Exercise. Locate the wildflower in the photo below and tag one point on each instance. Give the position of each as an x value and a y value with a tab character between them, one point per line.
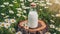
53	15
30	0
2	5
22	4
6	3
19	32
7	25
2	14
52	21
47	33
12	20
2	24
54	33
46	7
24	11
10	11
24	16
6	16
10	4
19	12
52	26
57	15
14	1
24	7
19	9
12	29
18	15
42	4
7	20
49	3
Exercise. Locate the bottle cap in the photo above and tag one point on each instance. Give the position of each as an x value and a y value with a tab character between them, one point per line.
33	5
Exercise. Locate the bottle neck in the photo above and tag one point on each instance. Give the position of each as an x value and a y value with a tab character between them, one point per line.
33	9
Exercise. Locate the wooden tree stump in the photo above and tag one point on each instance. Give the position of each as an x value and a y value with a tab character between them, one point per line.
41	26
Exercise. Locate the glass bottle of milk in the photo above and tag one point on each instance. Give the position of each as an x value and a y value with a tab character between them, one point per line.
33	18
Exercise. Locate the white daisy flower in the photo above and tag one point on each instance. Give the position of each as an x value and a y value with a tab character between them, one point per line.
7	25
2	24
24	11
52	26
12	20
42	4
10	4
7	20
6	16
19	12
52	21
2	5
56	28
54	33
40	9
2	14
24	7
22	4
27	7
47	33
30	0
57	15
18	15
53	15
12	29
19	9
11	11
24	16
19	32
14	1
49	3
6	3
46	7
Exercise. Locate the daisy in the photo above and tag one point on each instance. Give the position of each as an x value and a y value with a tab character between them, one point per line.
2	5
24	11
2	24
19	12
12	29
2	14
7	25
19	32
10	4
18	15
47	33
57	15
12	20
30	0
7	20
52	26
19	9
6	3
11	11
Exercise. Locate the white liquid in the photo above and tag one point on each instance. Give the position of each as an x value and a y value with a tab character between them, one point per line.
33	19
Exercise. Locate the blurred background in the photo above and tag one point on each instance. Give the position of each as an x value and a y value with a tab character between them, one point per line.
14	11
